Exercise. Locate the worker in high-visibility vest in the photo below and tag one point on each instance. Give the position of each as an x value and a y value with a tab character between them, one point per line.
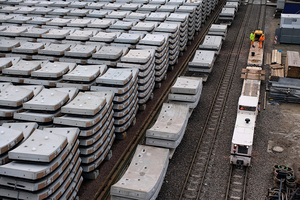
261	40
252	37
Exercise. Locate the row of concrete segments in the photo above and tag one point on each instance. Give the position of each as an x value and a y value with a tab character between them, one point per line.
63	115
143	179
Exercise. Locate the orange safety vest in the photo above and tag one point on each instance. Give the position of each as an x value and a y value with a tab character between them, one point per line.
262	38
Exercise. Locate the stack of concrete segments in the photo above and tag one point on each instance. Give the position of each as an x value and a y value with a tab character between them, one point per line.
46	165
172	31
198	11
169	127
239	1
82	77
50	73
52	51
160	45
8	61
11	137
227	14
191	10
145	27
108	55
202	62
146	77
143	179
96	127
232	5
211	42
127	40
46	105
80	53
167	8
181	19
218	30
20	70
148	8
124	84
186	91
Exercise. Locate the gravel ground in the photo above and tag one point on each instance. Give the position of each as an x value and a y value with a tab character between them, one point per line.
277	125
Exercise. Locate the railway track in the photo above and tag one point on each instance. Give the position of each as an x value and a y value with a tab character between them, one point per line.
237	179
193	185
120	167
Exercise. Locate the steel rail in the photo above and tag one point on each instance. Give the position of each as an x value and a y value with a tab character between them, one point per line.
231	63
124	160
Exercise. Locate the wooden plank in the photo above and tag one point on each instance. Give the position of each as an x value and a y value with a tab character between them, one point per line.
253	76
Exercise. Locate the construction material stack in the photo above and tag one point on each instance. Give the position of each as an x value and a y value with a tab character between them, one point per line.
82	77
142	178
186	91
13	135
46	105
160	44
181	19
46	165
218	30
123	83
169	127
203	61
191	10
96	127
146	76
171	33
212	43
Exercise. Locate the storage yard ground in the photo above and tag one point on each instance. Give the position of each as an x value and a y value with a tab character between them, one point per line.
277	125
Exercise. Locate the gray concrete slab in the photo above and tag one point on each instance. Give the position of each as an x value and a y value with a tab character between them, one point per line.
14	96
101	23
26	128
19	19
92	166
212	43
135	15
109	52
89	135
58	22
50	100
40	146
203	58
137	56
95	5
141	180
42	183
81	35
8	45
42	10
86	141
82	51
128	38
55	190
57	33
115	77
88	159
185	97
121	25
51	70
123	116
82	122
85	73
98	13
84	104
55	49
34	32
104	37
33	171
8	61
72	91
28	48
186	85
170	123
10	138
157	16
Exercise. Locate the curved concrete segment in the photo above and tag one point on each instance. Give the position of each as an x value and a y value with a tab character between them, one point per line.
187	85
9	138
47	100
170	123
14	96
143	179
40	146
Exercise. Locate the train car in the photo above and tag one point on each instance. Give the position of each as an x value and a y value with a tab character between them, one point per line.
248	106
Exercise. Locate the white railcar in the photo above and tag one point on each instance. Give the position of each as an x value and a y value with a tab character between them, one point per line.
248	106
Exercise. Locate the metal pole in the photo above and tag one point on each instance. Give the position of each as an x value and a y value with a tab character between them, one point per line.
279	194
